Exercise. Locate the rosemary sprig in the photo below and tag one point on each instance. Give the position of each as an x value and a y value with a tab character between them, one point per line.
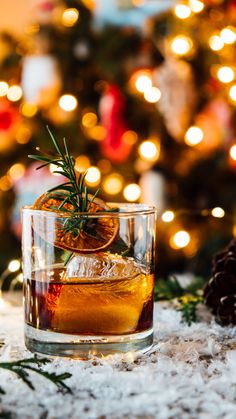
22	366
73	191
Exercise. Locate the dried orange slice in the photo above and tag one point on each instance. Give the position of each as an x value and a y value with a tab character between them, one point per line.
78	233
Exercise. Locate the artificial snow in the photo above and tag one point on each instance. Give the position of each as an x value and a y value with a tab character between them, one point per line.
189	373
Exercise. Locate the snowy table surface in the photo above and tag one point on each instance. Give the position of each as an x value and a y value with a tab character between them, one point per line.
189	373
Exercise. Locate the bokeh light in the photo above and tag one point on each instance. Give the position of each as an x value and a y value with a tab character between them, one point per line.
182	11
89	119
113	183
193	136
93	176
168	216
152	95
14	93
181	45
196	6
218	212
225	74
132	192
180	239
232	152
82	163
3	88
16	171
228	35
232	92
143	83
70	17
68	103
149	150
29	109
216	43
14	265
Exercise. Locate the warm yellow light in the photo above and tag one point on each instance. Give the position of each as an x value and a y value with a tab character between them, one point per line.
168	216
14	93
82	163
143	83
70	17
152	95
149	150
17	171
113	183
20	278
216	43
97	133
132	192
193	136
196	6
93	176
23	135
218	212
130	137
14	265
182	11
68	103
181	45
228	35
232	92
225	74
180	239
234	230
89	119
232	152
5	183
3	88
29	109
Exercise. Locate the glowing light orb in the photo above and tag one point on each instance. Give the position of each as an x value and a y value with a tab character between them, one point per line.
14	93
93	176
68	103
181	45
168	216
132	192
182	11
3	88
143	83
225	74
232	152
218	212
152	95
193	136
113	183
14	265
149	150
70	17
180	239
216	43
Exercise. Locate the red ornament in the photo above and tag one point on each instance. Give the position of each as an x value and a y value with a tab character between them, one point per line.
9	123
112	111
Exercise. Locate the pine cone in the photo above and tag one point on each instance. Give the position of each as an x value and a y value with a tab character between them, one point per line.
220	291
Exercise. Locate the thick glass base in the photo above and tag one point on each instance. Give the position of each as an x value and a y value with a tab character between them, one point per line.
59	344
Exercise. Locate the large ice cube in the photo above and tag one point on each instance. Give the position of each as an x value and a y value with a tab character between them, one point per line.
102	266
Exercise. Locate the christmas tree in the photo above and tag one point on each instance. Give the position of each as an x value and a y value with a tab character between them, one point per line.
147	108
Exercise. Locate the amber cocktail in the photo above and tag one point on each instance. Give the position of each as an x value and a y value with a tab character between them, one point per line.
89	301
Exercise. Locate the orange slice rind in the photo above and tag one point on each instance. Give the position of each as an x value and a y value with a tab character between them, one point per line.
77	232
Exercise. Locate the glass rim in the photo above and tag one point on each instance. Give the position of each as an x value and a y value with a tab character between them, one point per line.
134	209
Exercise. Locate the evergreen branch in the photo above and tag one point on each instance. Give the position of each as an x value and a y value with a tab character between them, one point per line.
21	368
188	308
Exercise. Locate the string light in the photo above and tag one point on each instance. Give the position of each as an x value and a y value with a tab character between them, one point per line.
130	137
232	152
132	192
17	171
93	176
152	95
228	35
149	150
3	88
14	265
218	212
68	103
168	216
23	135
181	45
14	93
89	119
113	183
216	43
225	74
193	136
182	11
70	17
82	163
232	92
143	83
196	6
180	239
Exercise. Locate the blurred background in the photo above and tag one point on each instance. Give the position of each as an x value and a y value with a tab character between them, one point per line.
145	93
